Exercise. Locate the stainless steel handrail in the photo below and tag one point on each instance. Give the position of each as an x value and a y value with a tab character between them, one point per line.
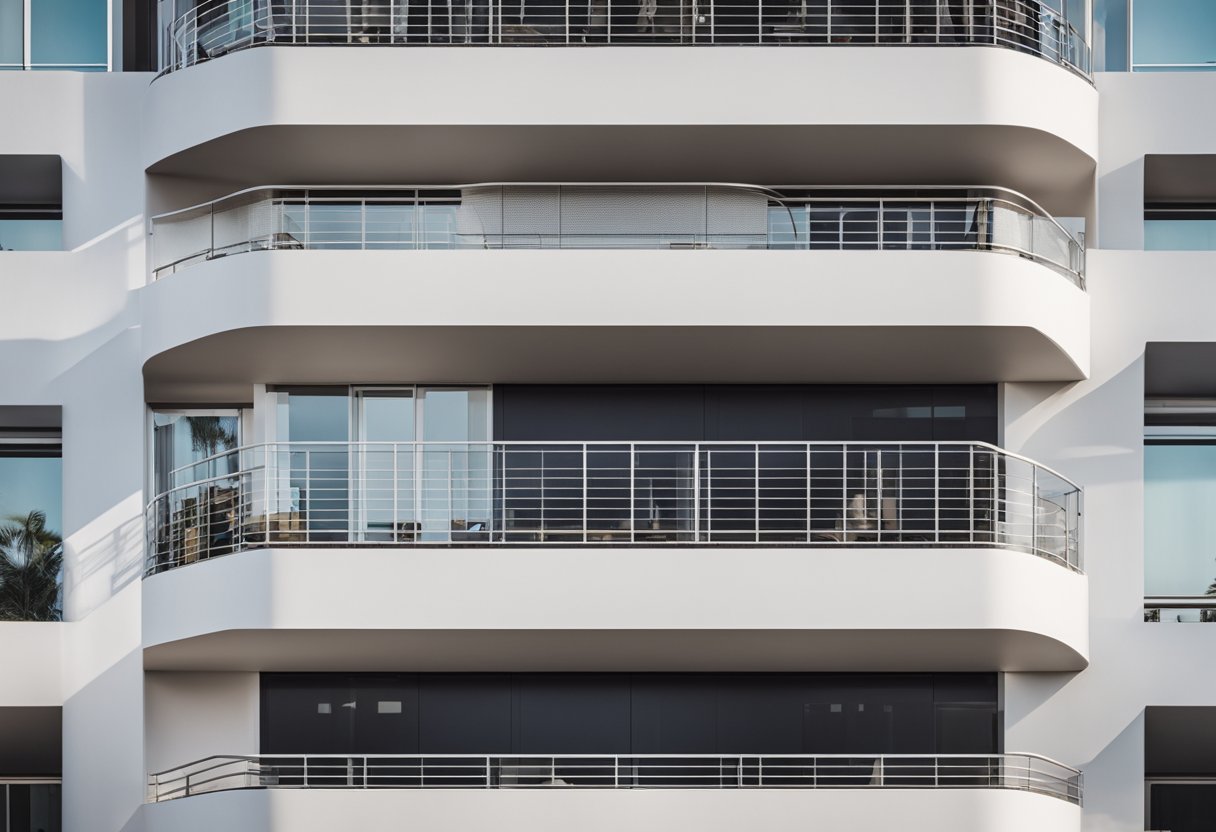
613	493
217	27
1159	608
1015	771
311	217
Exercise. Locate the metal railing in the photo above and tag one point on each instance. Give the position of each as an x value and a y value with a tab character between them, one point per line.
1180	608
606	493
216	27
602	216
1021	772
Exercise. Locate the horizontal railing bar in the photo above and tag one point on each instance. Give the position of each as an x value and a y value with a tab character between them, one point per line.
1024	772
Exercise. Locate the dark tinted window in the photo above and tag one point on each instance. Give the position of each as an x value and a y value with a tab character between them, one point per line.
642	713
689	413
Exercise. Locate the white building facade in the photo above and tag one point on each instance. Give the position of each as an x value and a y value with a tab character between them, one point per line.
654	415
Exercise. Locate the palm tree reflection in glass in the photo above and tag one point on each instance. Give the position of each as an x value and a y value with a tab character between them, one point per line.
31	560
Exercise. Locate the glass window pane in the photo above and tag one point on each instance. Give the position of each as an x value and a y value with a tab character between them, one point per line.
34	808
179	439
12	31
1174	32
30	235
1180	235
1179	526
68	32
456	415
31	483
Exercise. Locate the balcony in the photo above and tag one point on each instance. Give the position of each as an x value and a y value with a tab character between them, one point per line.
938	285
620	217
1001	793
604	494
729	556
213	28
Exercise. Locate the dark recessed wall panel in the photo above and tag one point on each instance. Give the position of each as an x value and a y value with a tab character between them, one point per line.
569	713
675	712
461	713
747	413
386	715
762	712
621	713
599	413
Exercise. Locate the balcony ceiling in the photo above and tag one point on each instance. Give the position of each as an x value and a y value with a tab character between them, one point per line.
224	367
1048	168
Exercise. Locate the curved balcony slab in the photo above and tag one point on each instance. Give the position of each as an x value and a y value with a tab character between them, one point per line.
593	810
609	316
940	114
686	609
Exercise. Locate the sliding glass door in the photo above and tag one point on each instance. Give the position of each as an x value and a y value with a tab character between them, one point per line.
385	460
455	465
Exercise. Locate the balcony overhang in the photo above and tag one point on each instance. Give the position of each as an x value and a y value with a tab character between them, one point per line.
557	608
609	316
890	115
608	810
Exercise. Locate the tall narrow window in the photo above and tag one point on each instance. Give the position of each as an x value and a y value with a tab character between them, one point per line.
32	523
1179	526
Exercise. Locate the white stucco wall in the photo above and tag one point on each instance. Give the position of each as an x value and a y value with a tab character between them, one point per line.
596	810
189	716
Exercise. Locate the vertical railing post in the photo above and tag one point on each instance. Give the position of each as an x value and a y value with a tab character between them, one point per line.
696	493
937	494
632	474
808	492
1034	508
844	492
756	495
878	497
488	777
971	491
586	536
305	512
306	772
